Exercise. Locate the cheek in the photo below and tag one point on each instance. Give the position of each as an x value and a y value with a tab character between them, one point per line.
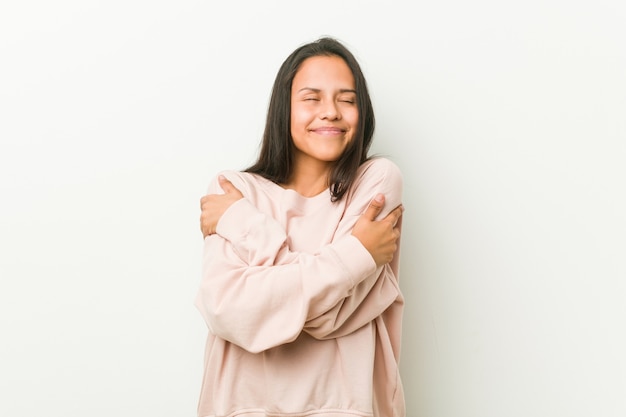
299	119
353	118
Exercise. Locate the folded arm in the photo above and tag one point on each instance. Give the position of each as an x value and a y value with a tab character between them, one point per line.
259	307
332	299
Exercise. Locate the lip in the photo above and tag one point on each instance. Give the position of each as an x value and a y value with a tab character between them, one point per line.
328	130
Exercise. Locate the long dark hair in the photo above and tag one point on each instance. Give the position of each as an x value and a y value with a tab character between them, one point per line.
276	157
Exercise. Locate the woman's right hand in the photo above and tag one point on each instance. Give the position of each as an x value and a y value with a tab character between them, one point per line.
380	237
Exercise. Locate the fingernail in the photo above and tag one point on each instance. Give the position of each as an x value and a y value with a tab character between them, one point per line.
379	198
221	177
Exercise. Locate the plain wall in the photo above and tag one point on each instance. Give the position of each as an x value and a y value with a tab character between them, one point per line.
508	120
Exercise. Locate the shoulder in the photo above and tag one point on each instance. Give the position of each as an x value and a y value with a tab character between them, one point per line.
379	170
374	176
245	182
380	163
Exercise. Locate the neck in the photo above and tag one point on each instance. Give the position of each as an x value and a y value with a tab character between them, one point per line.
309	180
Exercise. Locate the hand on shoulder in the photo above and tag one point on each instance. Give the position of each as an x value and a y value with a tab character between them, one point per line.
379	237
213	206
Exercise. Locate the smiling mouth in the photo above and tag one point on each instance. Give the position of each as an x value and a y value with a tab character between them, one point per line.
329	131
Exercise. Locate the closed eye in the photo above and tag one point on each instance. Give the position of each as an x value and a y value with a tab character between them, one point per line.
347	98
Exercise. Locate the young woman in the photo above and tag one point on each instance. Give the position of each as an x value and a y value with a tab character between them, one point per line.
300	268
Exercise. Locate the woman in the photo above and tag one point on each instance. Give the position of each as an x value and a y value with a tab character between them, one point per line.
299	283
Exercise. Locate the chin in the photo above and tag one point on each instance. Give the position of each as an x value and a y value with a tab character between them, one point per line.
330	158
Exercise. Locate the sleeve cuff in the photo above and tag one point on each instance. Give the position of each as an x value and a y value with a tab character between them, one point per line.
230	226
356	260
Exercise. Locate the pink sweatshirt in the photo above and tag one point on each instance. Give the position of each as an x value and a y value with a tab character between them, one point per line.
301	321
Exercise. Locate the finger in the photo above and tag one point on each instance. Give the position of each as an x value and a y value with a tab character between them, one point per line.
394	215
375	207
226	185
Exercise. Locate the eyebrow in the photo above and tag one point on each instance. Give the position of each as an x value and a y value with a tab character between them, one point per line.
317	90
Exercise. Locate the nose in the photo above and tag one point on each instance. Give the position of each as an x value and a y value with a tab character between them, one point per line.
330	111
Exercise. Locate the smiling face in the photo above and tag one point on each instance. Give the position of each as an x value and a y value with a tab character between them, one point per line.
324	113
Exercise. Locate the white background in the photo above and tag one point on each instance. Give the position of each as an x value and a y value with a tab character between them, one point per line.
508	120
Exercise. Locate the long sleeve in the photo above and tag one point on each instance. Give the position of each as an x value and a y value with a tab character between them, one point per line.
259	307
260	294
380	289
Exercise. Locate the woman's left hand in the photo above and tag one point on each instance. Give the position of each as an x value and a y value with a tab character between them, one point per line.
214	205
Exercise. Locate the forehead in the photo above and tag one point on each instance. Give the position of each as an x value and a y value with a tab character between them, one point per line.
322	72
